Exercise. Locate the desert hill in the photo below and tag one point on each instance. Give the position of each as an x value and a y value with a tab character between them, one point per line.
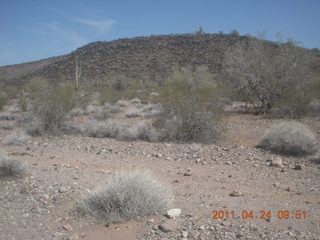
141	58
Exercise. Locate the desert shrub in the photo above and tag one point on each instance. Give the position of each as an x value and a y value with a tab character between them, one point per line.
103	114
10	166
189	101
16	138
296	102
142	130
51	109
261	71
3	101
36	86
76	112
125	196
8	116
290	138
6	126
23	101
134	112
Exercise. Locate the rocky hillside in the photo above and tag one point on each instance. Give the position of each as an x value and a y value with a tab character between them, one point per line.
17	70
144	58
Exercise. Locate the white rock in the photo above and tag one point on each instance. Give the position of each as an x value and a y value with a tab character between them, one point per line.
173	213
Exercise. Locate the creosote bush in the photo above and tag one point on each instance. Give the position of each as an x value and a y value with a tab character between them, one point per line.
290	138
125	196
189	102
10	166
51	109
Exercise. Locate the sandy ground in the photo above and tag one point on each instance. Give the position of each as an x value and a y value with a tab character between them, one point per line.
41	205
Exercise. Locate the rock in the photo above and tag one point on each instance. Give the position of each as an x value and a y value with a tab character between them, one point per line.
277	162
62	189
299	167
74	236
228	163
236	194
169	226
184	234
291	189
66	227
187	173
202	227
173	213
151	221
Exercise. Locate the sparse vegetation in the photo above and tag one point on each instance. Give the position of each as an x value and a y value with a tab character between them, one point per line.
127	195
190	106
261	71
51	109
10	166
290	138
3	101
296	102
16	138
142	130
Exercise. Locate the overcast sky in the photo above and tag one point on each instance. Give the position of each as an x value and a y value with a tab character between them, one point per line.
36	29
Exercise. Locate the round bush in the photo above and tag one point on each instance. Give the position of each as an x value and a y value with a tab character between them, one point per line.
125	196
290	138
10	166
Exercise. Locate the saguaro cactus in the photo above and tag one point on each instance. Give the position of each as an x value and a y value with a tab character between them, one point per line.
77	73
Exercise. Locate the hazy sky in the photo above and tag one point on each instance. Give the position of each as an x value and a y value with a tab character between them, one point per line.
36	29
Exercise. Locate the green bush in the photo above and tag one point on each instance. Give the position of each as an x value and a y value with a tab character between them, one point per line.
190	106
290	138
51	109
295	102
3	101
125	196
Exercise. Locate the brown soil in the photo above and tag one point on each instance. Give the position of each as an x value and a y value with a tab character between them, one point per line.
41	205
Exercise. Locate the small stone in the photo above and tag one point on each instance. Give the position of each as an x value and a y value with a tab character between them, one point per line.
67	227
173	213
228	163
62	189
202	227
184	234
277	162
298	167
151	221
291	189
169	226
73	237
187	173
236	194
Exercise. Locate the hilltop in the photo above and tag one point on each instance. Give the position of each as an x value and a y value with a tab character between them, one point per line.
143	58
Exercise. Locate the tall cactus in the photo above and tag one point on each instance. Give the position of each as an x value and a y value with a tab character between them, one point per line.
77	73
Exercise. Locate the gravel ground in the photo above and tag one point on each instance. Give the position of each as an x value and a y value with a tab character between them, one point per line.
41	204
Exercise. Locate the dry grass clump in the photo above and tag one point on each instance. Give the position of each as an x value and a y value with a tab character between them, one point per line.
290	138
10	166
120	130
8	116
6	126
16	138
125	196
134	112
